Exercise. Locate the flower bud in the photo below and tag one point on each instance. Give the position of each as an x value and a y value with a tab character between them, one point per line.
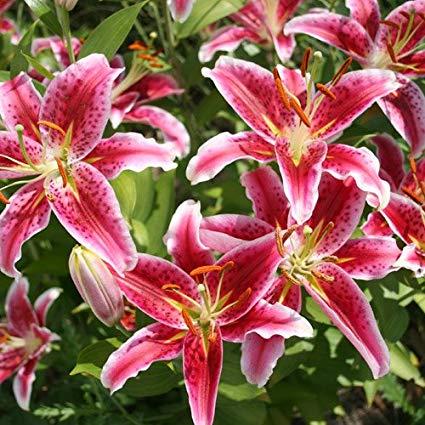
66	4
96	285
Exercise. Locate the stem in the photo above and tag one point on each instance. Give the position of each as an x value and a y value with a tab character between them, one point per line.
63	17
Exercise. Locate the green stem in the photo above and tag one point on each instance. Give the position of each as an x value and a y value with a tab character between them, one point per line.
63	17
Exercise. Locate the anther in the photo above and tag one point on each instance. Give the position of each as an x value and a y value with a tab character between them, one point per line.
279	243
342	70
137	45
53	126
189	322
322	276
391	52
281	89
290	278
62	171
322	88
390	24
170	287
299	111
405	14
205	269
244	296
306	60
3	199
412	164
229	265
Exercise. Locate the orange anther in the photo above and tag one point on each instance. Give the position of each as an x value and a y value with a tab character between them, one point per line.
170	287
137	45
299	111
3	199
189	322
342	70
205	269
322	88
391	52
281	89
390	24
322	276
279	242
412	164
244	296
229	265
145	56
62	171
53	126
306	60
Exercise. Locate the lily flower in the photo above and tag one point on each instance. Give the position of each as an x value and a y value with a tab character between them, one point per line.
24	339
391	43
57	141
319	256
196	303
7	26
260	22
293	124
180	9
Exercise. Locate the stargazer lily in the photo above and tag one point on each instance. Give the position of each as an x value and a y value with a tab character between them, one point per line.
56	140
180	9
293	124
24	339
197	303
133	92
391	43
319	256
260	22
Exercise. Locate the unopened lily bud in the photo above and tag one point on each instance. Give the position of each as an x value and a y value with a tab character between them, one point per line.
96	285
66	4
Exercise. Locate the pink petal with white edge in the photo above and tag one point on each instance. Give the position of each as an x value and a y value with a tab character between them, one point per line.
182	238
20	104
264	188
355	93
226	39
174	132
120	106
350	311
43	303
202	369
10	361
27	214
92	215
251	92
405	108
375	225
224	232
412	259
22	383
129	151
292	297
301	182
180	9
391	158
148	287
9	148
151	344
79	96
342	203
339	31
284	46
19	312
255	265
369	257
415	59
157	86
345	161
366	13
222	150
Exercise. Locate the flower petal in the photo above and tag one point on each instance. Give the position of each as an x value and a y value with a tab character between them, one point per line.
58	47
224	232
345	161
27	214
19	312
355	93
300	182
180	9
174	132
147	287
415	60
10	361
227	39
224	149
368	258
251	92
413	259
20	104
182	238
22	383
89	211
157	86
43	303
344	33
264	188
202	369
79	96
153	343
5	5
347	307
375	225
284	46
255	264
366	13
405	108
129	151
120	106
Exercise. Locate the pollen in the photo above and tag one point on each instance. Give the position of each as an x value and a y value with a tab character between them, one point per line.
189	322
342	70
323	89
138	46
170	287
305	61
4	199
389	23
205	269
281	89
391	52
244	296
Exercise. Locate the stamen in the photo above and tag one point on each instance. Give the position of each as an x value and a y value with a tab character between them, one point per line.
342	70
279	242
322	276
170	287
20	133
189	322
229	265
322	88
137	45
290	278
306	60
212	335
281	90
412	164
389	23
53	126
62	171
391	52
205	269
299	111
244	297
3	199
405	14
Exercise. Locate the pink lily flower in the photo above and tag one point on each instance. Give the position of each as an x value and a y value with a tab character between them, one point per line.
320	256
381	44
197	303
180	9
57	141
24	338
293	125
7	26
260	22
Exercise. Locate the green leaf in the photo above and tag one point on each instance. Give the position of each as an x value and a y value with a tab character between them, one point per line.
19	63
38	66
42	10
126	191
206	12
110	34
402	364
230	412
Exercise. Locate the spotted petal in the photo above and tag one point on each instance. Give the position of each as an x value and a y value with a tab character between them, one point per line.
22	383
366	13
412	258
